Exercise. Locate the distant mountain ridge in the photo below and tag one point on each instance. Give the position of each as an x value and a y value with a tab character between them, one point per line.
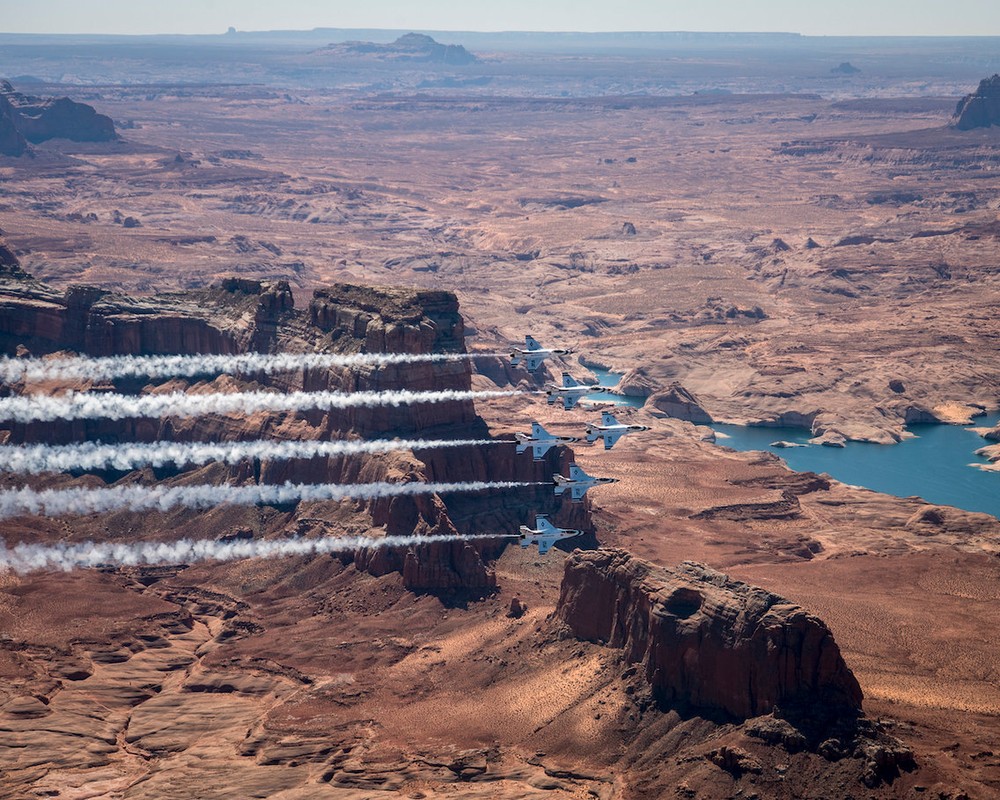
410	47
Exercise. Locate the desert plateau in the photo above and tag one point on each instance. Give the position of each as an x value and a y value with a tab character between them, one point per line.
264	491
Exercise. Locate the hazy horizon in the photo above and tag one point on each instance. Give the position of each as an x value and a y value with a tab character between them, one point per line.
849	18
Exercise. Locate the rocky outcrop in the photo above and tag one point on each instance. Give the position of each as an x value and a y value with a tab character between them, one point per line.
9	263
676	401
89	320
238	315
845	68
12	141
407	49
704	640
638	383
981	109
26	119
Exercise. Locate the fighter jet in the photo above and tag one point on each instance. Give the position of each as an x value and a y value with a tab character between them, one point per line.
570	391
578	482
533	354
611	430
544	534
540	441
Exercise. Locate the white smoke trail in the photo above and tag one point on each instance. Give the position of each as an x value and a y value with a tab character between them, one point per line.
82	500
22	558
33	459
186	366
85	405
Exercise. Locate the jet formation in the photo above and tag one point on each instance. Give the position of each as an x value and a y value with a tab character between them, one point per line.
609	430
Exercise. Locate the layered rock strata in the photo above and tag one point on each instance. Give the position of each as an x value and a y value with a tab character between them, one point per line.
238	316
25	119
703	640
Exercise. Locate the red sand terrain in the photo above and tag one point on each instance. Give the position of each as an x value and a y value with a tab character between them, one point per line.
666	234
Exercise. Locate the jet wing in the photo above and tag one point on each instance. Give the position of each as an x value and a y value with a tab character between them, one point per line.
607	418
570	400
577	492
543	546
531	344
610	437
538	451
531	363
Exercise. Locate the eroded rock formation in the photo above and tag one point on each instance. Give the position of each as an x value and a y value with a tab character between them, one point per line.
704	640
981	108
26	119
676	401
12	141
240	315
9	263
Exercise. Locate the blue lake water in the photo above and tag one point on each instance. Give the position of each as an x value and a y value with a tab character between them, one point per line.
934	465
608	378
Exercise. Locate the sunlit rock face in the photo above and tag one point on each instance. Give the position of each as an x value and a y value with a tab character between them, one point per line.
704	640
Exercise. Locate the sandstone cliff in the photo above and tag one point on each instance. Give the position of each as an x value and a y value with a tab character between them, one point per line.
703	640
239	315
12	141
981	108
26	119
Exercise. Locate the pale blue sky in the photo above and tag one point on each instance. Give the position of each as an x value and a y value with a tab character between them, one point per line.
813	17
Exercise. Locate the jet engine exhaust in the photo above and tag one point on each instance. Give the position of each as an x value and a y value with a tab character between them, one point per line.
82	500
84	405
22	558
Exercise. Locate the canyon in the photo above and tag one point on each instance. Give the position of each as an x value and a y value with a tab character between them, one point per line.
814	249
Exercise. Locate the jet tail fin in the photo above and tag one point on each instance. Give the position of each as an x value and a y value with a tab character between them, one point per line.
542	524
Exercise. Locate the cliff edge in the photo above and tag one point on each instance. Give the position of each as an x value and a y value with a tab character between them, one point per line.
238	315
704	640
25	119
981	109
